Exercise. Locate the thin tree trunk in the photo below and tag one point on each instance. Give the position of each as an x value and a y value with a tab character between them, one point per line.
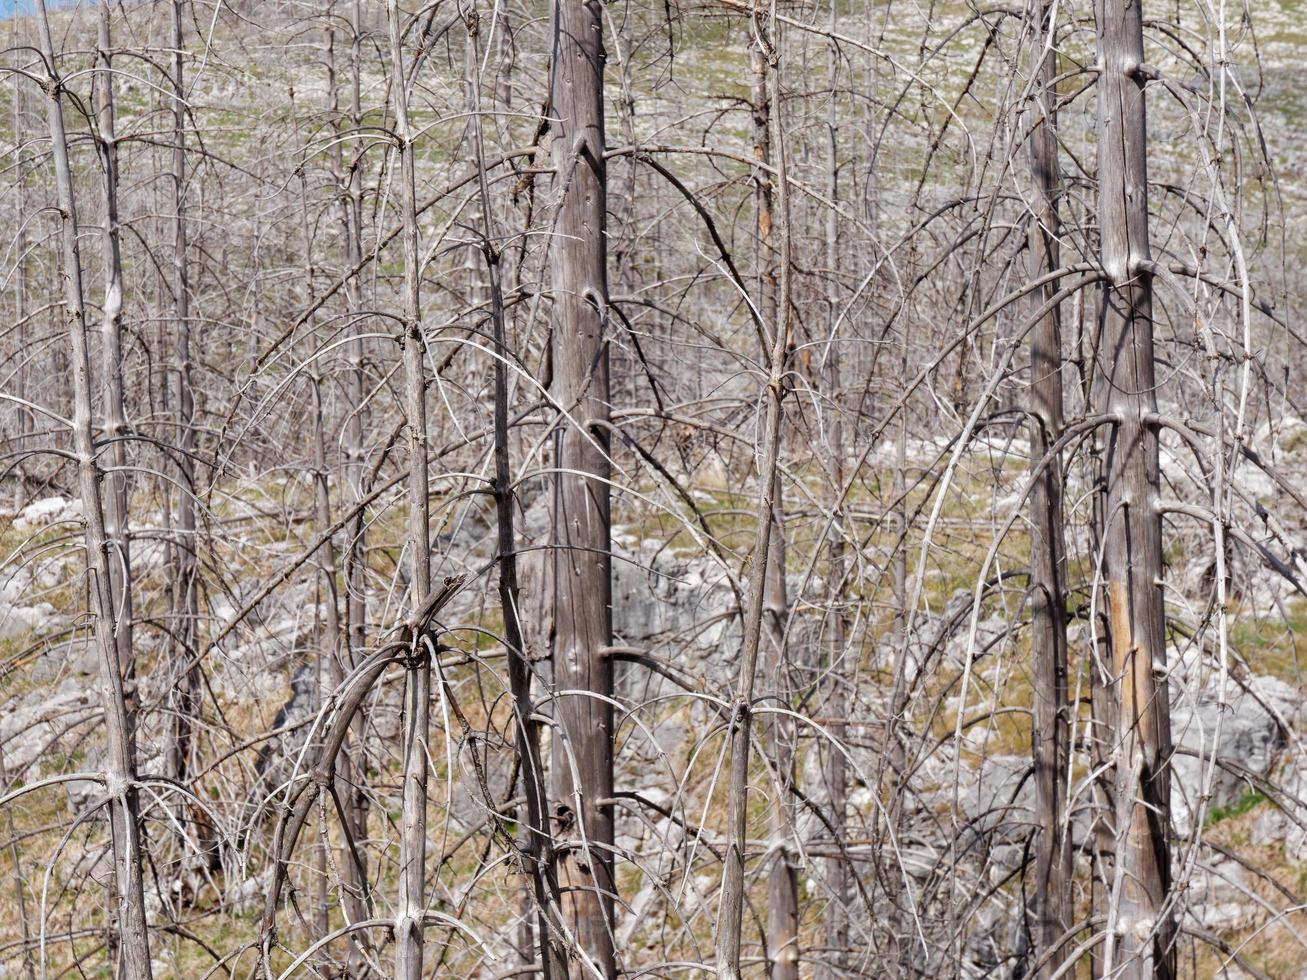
25	418
411	908
582	756
132	930
730	910
115	428
327	661
356	799
536	844
185	596
1140	933
836	928
782	881
1051	890
350	784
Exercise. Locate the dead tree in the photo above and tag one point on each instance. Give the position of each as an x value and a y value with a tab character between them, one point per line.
411	906
777	339
836	928
353	764
582	757
120	777
185	584
536	845
25	418
1051	889
1139	932
115	419
782	941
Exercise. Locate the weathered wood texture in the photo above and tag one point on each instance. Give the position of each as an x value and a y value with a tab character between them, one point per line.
1051	891
1139	939
582	757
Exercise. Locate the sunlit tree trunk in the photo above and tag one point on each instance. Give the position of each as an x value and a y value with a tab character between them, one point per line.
24	416
756	600
582	756
185	606
131	928
835	930
782	881
535	841
115	427
1051	891
411	908
1140	932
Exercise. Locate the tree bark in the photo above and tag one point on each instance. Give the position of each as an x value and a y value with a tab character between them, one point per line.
25	419
1140	932
836	927
782	881
115	427
582	757
1051	890
350	784
411	906
185	606
536	844
132	930
730	909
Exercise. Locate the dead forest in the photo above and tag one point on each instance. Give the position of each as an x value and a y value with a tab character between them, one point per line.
760	489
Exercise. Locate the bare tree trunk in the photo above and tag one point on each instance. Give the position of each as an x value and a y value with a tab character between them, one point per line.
352	215
327	623
582	757
1140	931
350	784
132	928
25	418
730	909
356	801
185	585
1053	870
836	928
782	881
115	429
411	908
536	843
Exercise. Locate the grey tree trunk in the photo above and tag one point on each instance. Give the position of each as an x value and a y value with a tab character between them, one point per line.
1140	933
410	910
730	909
535	842
350	784
185	600
836	928
131	928
1051	889
582	757
115	427
782	881
25	419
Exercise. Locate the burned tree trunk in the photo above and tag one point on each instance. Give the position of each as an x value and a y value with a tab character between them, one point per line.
411	907
115	419
759	604
582	757
1051	890
350	782
535	843
185	597
782	881
120	778
1140	935
836	928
